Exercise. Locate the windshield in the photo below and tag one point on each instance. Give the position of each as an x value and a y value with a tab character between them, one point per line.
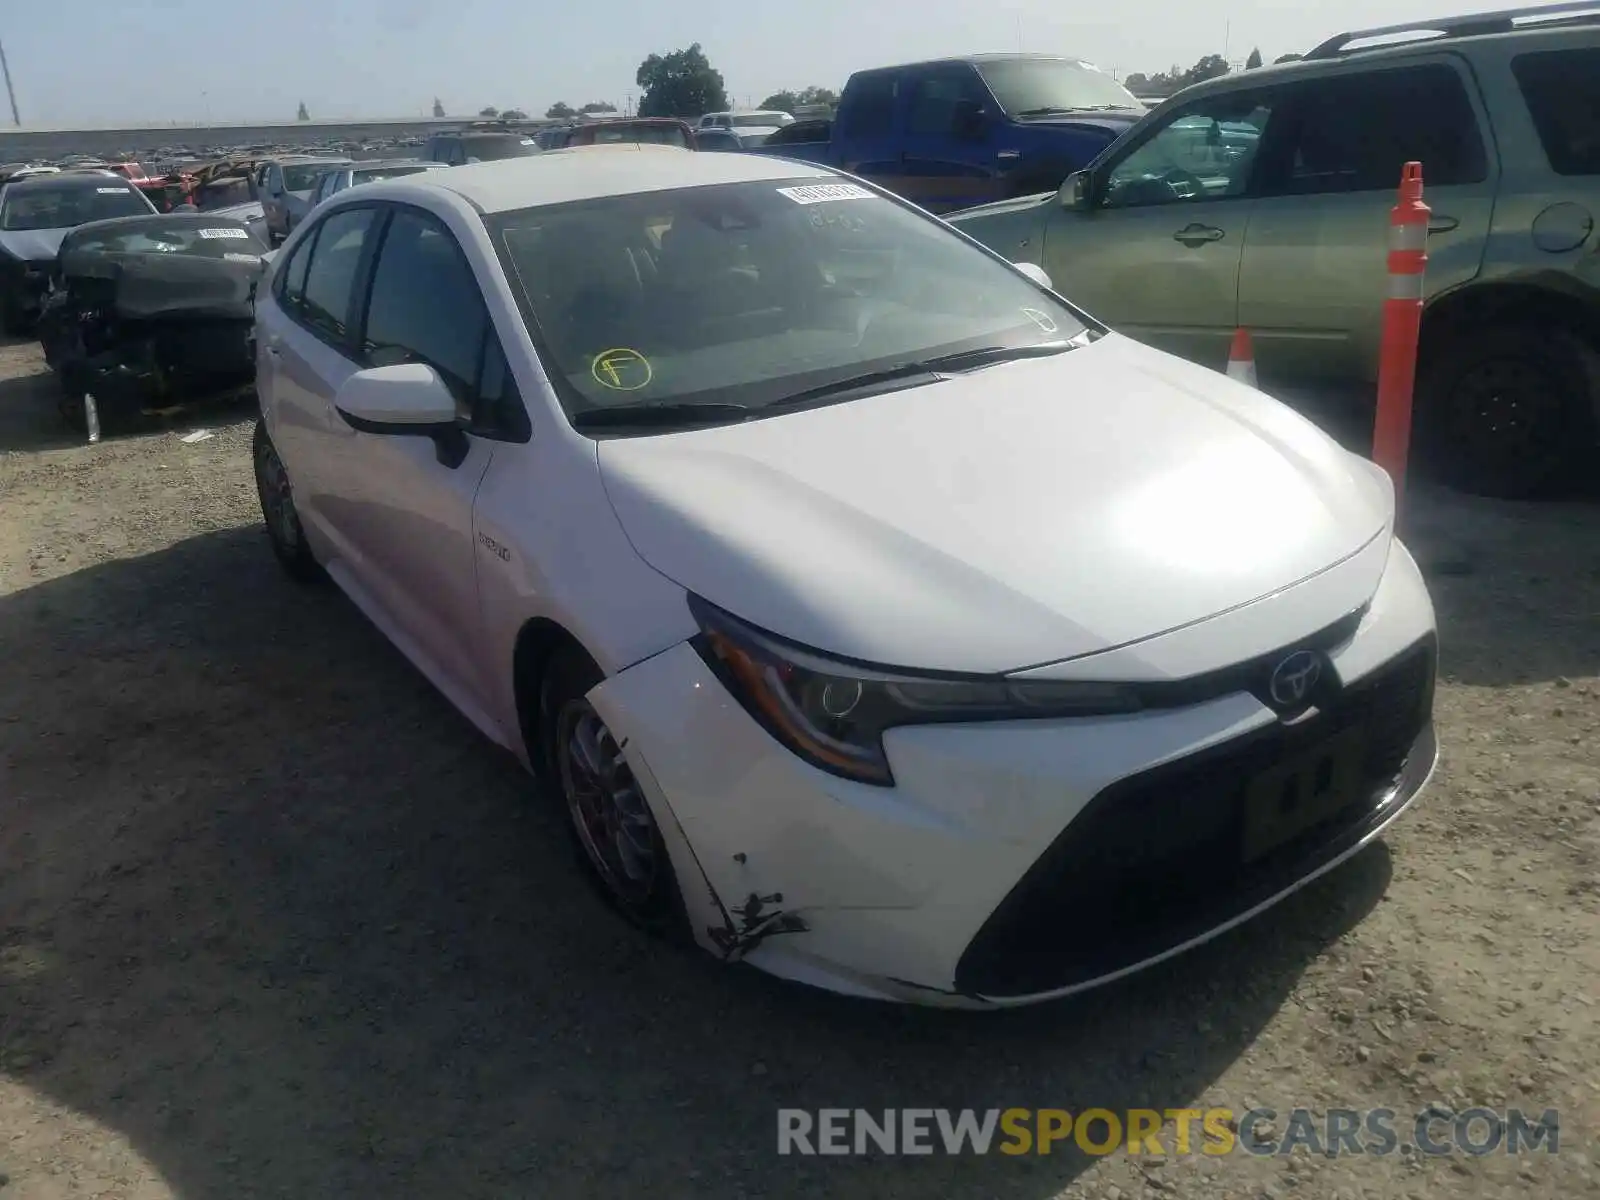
377	174
65	208
217	239
758	121
1043	85
751	293
300	177
491	148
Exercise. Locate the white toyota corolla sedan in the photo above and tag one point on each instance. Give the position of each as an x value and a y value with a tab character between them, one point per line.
881	620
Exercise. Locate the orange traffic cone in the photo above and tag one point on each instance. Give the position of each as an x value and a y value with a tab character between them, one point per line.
1242	358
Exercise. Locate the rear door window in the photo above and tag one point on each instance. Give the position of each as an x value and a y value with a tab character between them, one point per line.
1562	90
1354	133
937	98
868	108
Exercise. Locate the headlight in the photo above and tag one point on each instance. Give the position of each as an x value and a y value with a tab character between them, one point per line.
833	713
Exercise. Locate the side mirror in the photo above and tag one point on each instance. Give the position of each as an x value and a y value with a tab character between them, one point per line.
1077	191
1036	273
405	400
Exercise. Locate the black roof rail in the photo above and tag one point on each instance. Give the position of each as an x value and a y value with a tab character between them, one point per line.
1470	25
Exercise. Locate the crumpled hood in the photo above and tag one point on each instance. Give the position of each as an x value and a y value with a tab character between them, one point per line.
1028	513
32	245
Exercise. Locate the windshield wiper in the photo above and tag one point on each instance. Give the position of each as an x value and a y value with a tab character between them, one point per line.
671	412
1051	110
665	412
927	369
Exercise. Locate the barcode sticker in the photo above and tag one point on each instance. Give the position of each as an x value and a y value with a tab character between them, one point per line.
111	191
222	232
821	193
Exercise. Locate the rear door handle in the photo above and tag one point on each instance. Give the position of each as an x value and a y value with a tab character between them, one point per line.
1439	223
1197	235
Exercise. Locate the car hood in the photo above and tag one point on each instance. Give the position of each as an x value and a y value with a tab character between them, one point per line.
32	245
1025	514
1114	123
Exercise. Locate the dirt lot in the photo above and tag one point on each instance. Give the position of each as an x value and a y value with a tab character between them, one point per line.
274	921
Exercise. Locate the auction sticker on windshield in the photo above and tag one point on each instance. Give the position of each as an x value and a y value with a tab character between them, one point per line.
622	370
222	232
820	193
111	191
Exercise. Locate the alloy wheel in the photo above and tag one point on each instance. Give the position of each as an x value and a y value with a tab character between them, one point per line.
609	812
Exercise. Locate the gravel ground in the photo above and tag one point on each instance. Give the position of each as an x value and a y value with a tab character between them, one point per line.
274	921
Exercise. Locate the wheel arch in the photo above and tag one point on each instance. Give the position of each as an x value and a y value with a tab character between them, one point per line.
538	641
1550	299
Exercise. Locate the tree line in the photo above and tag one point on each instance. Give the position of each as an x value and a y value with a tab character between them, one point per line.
1175	79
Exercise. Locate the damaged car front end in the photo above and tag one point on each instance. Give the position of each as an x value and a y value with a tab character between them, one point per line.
148	312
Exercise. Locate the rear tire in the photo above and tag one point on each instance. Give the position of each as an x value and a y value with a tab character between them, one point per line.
12	323
284	531
613	829
1508	412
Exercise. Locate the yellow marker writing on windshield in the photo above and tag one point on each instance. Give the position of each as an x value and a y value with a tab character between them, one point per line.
622	370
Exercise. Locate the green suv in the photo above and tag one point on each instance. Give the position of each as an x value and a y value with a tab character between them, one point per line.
1261	199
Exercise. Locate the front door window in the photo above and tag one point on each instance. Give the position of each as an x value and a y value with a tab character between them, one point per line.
1205	152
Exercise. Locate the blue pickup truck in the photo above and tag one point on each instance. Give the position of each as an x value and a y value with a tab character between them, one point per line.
960	132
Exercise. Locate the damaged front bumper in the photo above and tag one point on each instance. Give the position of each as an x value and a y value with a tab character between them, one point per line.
134	366
1011	862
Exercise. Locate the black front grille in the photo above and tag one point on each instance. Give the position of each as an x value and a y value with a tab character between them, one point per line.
1159	858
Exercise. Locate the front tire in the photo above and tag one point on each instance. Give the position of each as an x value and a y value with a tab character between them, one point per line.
609	818
12	322
1509	412
284	531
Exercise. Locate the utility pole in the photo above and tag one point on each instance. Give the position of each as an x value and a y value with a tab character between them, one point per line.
11	92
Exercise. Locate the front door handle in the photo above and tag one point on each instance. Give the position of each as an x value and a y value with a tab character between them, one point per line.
1439	223
1198	235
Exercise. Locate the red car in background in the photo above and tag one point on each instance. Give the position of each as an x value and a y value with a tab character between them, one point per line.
166	192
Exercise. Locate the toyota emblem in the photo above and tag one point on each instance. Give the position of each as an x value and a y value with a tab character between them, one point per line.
1294	679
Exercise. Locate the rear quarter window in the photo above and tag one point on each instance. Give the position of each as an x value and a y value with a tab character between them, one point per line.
1562	91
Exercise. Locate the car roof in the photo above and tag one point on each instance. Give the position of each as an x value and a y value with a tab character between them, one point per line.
1378	52
589	173
384	164
974	60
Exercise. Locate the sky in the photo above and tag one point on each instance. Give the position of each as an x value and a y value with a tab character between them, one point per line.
108	62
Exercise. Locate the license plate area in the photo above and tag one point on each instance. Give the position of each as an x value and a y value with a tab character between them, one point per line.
1301	792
